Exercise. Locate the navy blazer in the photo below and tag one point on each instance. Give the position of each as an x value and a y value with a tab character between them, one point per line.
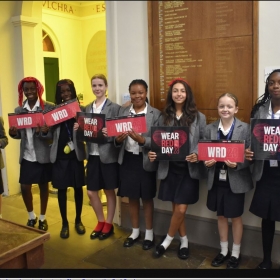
152	117
240	178
108	153
197	171
41	142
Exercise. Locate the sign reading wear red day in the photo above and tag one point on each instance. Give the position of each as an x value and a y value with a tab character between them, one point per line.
122	124
221	150
62	112
26	120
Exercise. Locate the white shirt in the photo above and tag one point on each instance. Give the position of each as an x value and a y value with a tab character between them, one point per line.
269	115
93	150
29	152
131	145
224	131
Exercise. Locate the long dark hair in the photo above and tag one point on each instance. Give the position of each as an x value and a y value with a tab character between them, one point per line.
265	97
58	99
189	108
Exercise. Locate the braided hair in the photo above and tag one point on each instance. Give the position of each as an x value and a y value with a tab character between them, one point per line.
265	97
58	99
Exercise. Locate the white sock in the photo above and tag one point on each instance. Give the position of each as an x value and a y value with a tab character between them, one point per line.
184	242
224	247
31	215
235	250
149	235
135	233
167	241
42	217
0	216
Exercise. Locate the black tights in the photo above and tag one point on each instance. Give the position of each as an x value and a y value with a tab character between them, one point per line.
62	199
268	230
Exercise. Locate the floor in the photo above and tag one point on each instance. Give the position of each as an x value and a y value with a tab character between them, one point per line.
79	253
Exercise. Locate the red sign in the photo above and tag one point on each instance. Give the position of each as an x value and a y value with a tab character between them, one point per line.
26	120
221	150
62	112
119	125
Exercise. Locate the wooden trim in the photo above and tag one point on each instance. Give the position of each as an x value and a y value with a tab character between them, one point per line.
151	53
255	71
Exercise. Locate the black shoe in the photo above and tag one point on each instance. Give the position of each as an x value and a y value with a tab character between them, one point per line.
95	234
103	235
233	262
183	253
220	259
80	229
32	222
64	233
130	241
159	251
43	225
148	244
264	266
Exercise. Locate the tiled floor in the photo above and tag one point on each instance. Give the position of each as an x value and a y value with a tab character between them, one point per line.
80	252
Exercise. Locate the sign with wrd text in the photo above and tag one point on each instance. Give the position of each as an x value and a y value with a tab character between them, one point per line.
265	139
26	119
170	142
221	150
118	125
90	127
62	112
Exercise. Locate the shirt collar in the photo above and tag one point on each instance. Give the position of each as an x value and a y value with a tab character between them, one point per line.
101	105
132	111
276	115
37	105
220	127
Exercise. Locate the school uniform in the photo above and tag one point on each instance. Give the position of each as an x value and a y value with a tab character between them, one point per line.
34	159
3	144
137	173
266	199
180	180
102	167
227	197
68	169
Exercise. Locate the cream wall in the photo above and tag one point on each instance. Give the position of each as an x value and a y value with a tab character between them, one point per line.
127	51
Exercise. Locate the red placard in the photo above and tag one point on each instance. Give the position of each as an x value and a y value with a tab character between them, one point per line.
62	112
221	150
119	125
26	120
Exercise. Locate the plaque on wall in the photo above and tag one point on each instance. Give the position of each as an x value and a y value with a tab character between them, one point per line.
211	44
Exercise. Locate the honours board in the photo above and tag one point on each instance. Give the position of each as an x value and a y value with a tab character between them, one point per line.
211	44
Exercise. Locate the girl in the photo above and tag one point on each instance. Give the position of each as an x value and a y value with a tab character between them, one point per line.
137	174
3	144
35	166
102	166
68	166
266	199
179	180
226	193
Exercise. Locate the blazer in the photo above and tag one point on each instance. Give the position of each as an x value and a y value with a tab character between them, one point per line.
3	141
41	142
258	164
240	178
197	171
108	153
152	118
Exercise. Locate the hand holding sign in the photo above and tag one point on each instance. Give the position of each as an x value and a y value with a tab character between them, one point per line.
136	137
152	156
121	137
13	131
210	163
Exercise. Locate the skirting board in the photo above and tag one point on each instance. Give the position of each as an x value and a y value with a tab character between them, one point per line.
204	231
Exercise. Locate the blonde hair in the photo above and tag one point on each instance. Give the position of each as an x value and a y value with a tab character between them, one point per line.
230	95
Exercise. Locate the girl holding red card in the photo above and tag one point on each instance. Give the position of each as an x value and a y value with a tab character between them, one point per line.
179	179
67	156
137	174
228	181
266	173
35	165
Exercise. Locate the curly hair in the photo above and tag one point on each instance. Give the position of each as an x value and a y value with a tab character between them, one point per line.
265	97
189	108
